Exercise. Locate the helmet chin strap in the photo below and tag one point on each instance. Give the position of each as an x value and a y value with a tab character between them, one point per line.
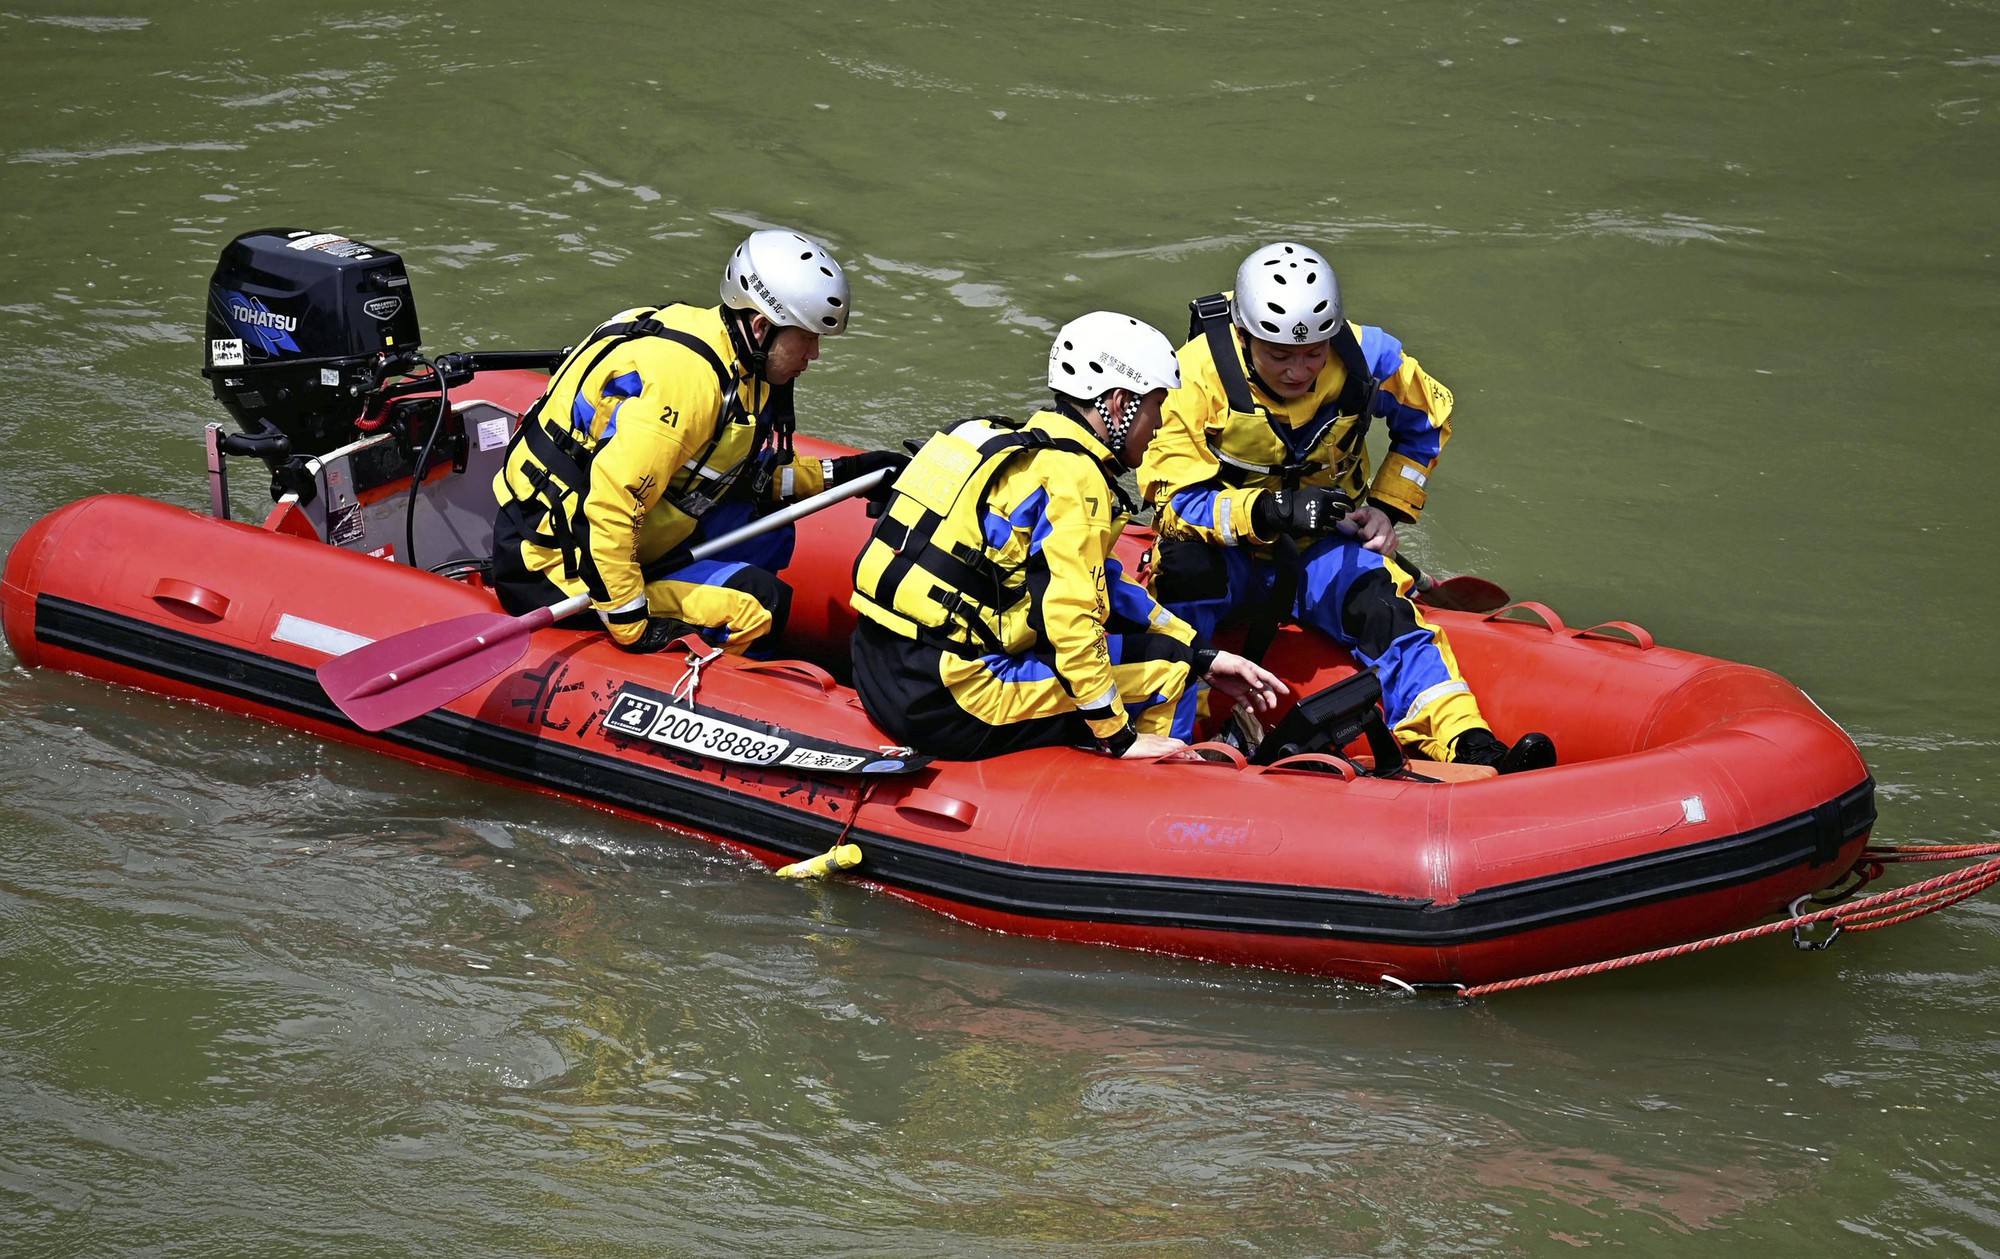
755	356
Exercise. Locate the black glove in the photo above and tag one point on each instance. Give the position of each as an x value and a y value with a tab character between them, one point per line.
847	467
660	633
1311	512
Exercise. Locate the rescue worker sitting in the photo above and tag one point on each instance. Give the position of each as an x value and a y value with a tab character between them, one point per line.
1261	489
668	426
993	615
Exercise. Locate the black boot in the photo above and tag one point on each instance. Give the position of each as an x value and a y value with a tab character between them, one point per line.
1531	751
1479	746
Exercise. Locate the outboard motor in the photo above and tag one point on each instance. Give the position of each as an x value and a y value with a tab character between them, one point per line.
303	327
313	347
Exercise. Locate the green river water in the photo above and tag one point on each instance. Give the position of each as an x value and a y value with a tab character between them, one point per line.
1714	285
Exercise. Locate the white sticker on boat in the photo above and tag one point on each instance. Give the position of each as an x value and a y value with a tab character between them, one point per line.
494	433
226	353
1692	810
318	637
330	377
639	712
813	758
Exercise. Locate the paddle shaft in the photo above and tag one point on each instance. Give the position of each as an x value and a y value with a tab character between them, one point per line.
540	618
764	524
1424	581
452	653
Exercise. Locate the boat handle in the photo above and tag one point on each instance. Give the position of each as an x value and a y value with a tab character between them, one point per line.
794	671
1528	612
1211	752
1620	632
935	809
1318	764
181	595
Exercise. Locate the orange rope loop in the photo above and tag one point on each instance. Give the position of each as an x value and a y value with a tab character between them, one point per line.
1869	913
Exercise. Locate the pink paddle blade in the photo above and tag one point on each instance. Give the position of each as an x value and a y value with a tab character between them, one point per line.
1465	594
395	679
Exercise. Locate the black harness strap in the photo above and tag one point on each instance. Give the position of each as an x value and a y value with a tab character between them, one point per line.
1209	319
963	569
560	470
562	463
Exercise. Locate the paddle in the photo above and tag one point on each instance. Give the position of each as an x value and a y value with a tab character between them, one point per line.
1453	594
1456	594
391	680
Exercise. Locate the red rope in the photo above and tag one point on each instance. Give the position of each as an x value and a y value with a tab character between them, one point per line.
1883	909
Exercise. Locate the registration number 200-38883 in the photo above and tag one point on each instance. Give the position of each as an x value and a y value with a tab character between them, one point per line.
699	733
692	730
640	714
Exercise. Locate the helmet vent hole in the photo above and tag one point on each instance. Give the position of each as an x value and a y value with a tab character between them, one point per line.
1275	308
1067	369
1281	279
834	302
1097	367
1319	308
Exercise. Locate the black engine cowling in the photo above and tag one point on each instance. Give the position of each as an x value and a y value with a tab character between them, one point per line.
302	328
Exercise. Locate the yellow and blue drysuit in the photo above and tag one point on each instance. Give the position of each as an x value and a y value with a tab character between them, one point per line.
652	438
1225	440
994	617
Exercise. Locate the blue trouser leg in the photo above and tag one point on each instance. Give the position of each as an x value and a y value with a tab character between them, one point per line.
1249	583
770	551
1410	663
733	583
1347	592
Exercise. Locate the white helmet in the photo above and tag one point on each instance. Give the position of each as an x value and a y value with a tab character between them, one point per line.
1105	350
788	279
1288	294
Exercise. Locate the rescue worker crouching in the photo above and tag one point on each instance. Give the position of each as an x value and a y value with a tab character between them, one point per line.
1261	489
669	426
994	617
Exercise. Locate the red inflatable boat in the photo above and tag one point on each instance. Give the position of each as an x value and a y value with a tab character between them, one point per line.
1695	796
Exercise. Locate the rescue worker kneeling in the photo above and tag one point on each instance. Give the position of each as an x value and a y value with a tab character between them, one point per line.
993	615
1261	485
669	426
